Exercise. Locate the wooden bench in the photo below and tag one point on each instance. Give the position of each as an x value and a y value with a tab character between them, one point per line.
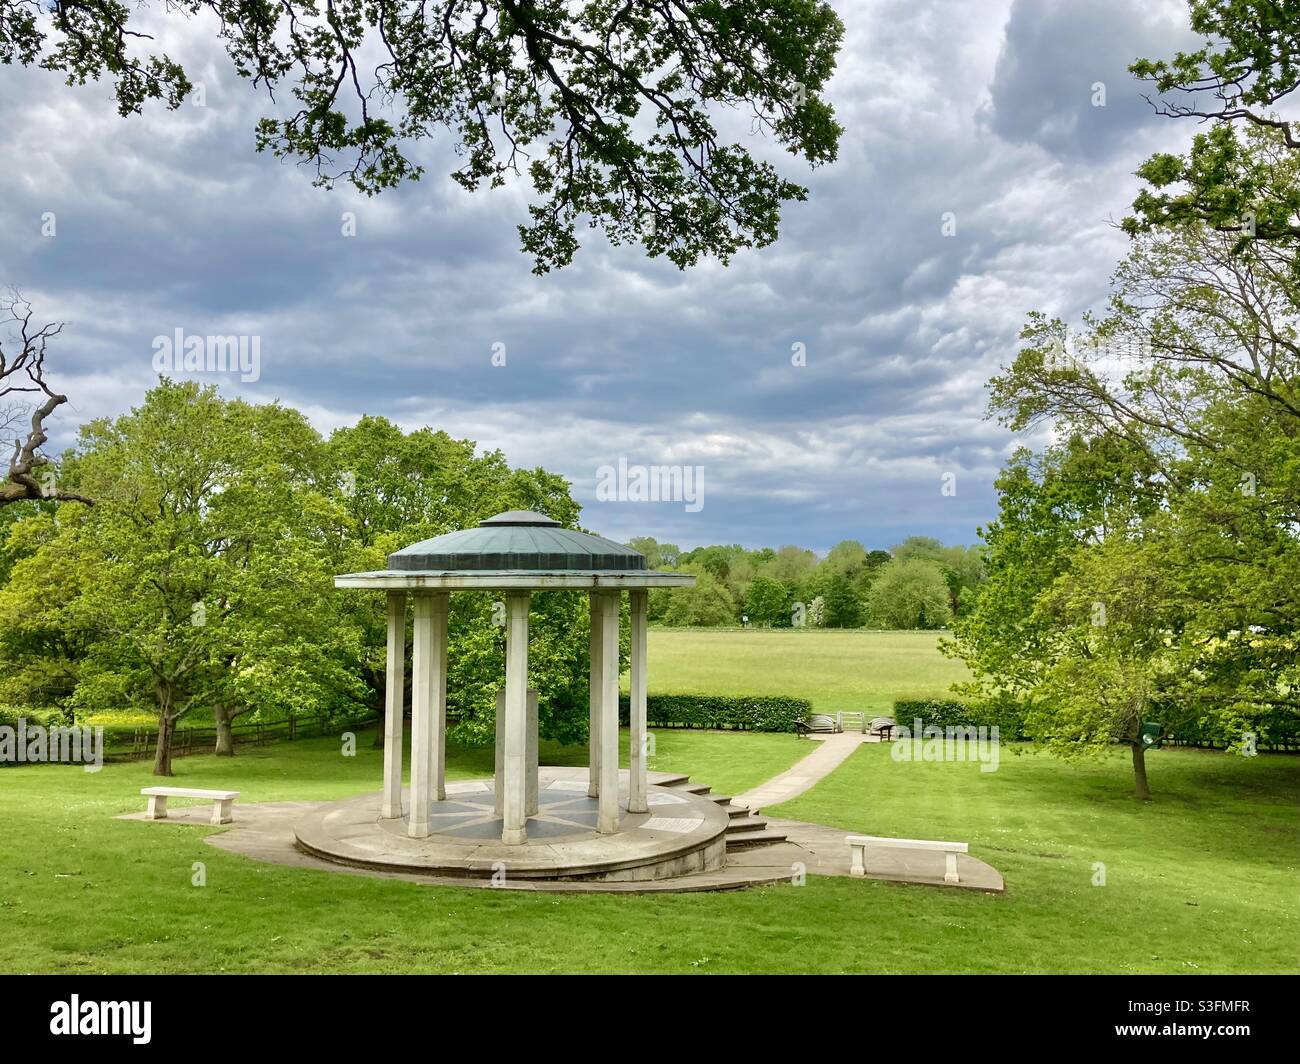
881	727
221	801
950	850
819	723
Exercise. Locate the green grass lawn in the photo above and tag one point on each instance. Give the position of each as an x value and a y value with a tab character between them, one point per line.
82	892
316	769
835	669
1204	879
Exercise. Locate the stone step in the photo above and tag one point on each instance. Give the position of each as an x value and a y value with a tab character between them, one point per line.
735	878
747	840
745	830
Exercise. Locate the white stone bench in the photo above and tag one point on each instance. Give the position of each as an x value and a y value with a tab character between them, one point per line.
950	850
221	801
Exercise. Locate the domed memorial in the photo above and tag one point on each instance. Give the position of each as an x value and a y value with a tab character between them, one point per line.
517	541
513	553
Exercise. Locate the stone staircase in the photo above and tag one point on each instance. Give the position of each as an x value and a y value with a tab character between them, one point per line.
745	830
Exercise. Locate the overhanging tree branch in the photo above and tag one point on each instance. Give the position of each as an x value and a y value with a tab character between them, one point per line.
614	103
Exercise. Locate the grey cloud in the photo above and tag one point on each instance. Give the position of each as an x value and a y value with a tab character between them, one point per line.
1057	52
171	220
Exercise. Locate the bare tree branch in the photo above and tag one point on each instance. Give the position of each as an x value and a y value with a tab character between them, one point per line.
22	372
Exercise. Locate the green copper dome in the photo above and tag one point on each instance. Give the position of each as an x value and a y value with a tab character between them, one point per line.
517	541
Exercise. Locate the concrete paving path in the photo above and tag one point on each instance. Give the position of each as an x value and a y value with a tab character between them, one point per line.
831	752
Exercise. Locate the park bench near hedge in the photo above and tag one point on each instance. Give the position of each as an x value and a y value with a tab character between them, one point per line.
817	724
882	728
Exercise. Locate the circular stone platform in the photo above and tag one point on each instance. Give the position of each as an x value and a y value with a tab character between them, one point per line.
682	833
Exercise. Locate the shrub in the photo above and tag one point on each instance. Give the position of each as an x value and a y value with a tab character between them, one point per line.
45	716
951	713
749	713
1274	728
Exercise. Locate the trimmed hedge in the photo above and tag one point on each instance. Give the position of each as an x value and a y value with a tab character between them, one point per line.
950	713
1274	729
752	713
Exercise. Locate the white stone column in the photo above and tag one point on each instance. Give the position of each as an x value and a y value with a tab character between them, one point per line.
499	773
514	829
596	600
636	801
394	705
607	814
438	662
422	711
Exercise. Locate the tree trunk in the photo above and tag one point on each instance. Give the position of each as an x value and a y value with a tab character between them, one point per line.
162	759
225	717
1140	771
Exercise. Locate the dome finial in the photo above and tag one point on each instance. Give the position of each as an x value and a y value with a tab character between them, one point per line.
521	517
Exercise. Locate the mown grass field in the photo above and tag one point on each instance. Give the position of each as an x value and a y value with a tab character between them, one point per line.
835	669
1203	879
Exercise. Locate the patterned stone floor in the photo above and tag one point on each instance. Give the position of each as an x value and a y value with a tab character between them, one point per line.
680	833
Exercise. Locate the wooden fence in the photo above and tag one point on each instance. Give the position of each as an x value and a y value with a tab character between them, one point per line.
139	744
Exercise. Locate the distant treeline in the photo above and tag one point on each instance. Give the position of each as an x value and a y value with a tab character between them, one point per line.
918	583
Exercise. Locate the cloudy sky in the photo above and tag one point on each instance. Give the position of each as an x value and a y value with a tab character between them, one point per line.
981	108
